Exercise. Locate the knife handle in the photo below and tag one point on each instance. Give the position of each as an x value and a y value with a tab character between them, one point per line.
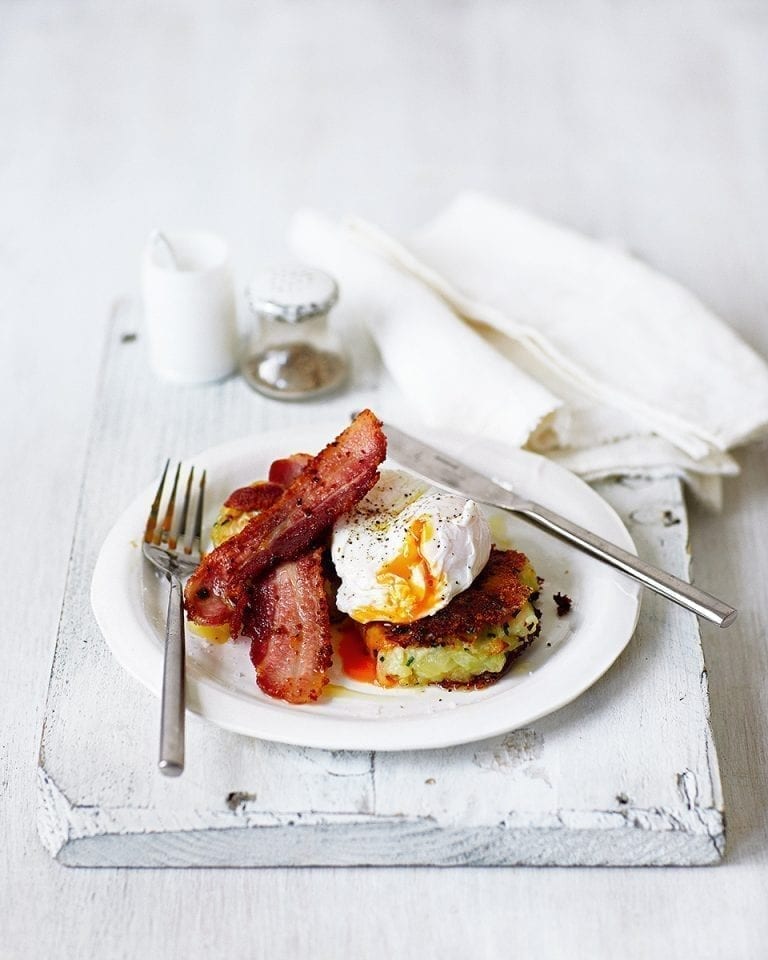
669	586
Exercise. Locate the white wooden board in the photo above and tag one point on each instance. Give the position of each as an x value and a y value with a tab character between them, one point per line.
626	775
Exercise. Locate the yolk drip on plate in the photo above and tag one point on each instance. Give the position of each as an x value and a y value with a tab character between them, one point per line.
357	662
412	589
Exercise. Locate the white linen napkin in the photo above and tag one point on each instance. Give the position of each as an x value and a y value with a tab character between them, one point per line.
448	372
497	323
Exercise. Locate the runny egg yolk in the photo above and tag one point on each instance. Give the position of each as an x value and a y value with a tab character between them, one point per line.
406	550
412	590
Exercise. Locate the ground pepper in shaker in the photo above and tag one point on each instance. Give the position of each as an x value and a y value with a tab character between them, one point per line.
292	353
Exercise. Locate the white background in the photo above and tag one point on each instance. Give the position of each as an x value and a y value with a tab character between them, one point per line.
641	123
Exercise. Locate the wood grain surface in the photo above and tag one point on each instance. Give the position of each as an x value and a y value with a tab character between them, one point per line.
626	775
643	124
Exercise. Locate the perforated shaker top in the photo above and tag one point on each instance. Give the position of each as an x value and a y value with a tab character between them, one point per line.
292	293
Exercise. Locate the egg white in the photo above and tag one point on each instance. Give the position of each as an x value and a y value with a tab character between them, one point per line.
406	550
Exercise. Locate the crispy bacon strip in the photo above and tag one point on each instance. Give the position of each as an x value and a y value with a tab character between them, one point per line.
258	496
286	470
290	630
288	617
332	483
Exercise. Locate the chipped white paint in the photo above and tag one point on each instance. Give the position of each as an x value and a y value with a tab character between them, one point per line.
641	122
626	775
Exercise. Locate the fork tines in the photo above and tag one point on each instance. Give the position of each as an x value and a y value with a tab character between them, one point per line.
169	533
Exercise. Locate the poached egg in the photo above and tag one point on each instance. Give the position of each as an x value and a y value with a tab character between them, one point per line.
406	550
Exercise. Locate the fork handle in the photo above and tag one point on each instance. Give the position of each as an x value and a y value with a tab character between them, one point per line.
171	761
668	585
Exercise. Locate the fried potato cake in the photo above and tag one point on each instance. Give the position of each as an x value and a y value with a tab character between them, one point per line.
472	640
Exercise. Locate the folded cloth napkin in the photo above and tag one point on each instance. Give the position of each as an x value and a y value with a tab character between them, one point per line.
448	372
498	323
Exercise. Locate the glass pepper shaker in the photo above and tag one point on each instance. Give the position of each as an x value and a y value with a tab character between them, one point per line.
293	354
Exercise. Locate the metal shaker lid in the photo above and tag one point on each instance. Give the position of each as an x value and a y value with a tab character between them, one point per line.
292	293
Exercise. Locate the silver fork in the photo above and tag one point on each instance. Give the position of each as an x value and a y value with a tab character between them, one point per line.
174	549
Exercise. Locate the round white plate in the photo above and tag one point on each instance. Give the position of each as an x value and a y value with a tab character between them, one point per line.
129	602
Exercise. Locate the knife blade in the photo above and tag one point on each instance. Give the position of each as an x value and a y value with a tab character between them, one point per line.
446	471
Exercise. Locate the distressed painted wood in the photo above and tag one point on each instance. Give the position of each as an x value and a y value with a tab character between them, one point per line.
638	122
625	775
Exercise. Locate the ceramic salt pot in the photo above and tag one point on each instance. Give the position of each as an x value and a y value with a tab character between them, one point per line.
293	353
189	307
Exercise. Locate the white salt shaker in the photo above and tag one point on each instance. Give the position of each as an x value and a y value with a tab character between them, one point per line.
189	307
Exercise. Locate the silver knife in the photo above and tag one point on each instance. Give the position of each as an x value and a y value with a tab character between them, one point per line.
439	468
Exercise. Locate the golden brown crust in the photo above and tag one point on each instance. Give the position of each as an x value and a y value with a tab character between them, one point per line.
496	596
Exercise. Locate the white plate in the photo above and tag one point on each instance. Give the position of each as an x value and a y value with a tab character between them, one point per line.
129	602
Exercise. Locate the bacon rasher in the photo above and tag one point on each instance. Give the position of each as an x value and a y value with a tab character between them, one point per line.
258	496
286	470
330	484
290	629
